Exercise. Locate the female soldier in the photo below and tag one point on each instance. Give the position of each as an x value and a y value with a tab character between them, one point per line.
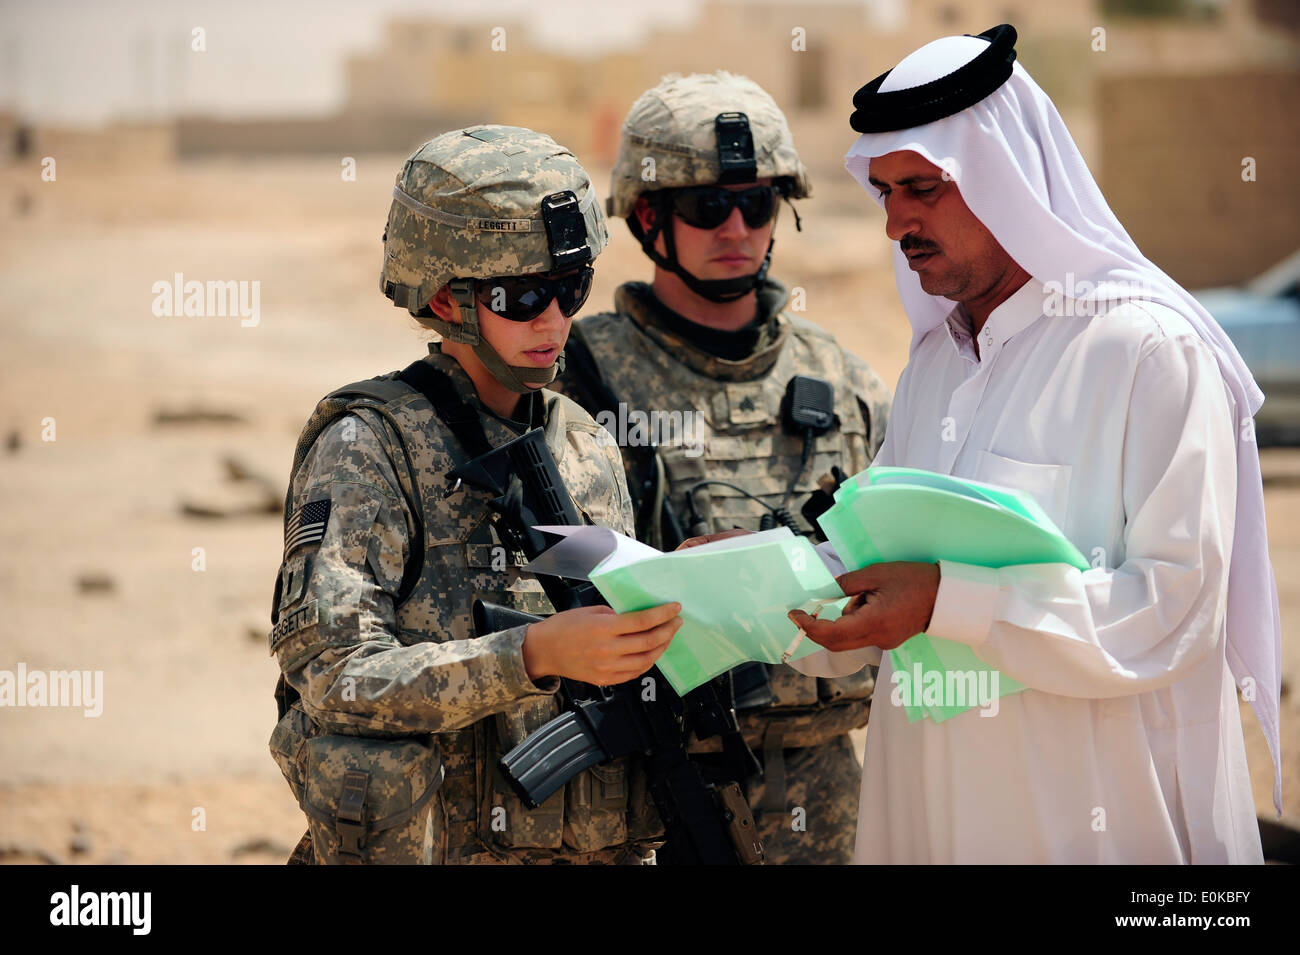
393	711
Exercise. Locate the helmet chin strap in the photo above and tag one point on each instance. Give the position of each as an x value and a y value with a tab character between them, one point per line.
715	290
515	377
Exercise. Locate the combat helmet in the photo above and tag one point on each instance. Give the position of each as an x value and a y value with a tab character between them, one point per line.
702	129
480	202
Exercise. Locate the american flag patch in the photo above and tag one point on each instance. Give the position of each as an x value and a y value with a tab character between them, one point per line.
307	525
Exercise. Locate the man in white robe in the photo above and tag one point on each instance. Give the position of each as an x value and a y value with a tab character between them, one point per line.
1050	356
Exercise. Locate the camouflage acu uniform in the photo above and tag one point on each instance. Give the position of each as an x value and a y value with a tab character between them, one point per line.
393	712
726	423
736	410
405	689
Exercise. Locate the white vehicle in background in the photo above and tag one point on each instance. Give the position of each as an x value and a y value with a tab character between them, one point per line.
1262	318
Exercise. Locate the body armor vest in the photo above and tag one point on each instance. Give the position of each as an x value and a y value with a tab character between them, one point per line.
722	420
460	543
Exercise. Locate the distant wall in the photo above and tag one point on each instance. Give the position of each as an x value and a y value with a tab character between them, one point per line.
135	143
1171	167
344	134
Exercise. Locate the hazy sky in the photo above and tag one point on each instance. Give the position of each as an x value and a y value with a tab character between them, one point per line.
86	61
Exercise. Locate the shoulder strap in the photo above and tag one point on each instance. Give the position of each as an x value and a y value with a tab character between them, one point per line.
653	510
382	391
330	408
441	393
438	387
338	403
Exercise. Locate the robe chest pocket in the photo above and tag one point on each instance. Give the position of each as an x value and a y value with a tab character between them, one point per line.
1048	484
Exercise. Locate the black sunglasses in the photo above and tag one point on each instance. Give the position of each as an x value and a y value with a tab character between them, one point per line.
521	298
707	207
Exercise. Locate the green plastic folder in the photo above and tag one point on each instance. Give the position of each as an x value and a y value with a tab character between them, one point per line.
735	597
889	514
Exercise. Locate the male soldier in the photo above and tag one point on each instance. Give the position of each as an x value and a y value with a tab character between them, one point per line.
393	711
752	397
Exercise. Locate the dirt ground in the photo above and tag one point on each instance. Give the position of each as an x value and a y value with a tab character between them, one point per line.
142	540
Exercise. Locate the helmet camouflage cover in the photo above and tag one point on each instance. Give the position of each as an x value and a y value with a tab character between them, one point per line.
468	204
669	139
481	202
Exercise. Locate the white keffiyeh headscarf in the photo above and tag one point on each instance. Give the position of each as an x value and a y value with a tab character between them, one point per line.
1022	176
